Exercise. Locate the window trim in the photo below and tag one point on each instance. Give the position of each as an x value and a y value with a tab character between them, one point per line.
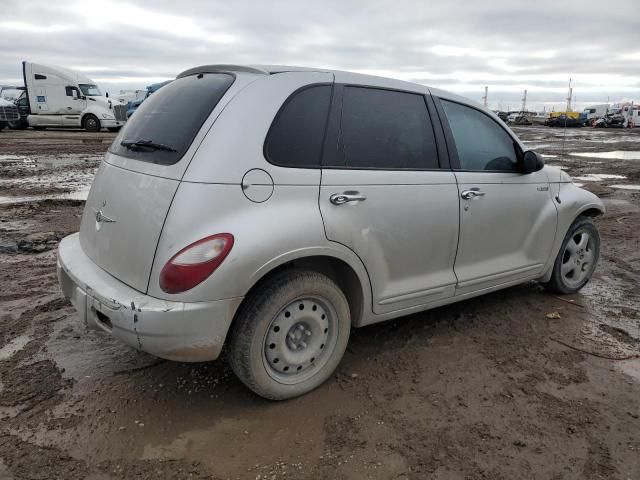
336	124
451	144
281	111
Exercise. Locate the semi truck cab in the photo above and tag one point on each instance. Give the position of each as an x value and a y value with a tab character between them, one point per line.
59	97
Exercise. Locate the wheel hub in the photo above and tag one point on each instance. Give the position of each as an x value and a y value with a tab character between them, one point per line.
296	343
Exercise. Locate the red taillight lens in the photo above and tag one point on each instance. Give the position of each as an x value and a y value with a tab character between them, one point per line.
194	263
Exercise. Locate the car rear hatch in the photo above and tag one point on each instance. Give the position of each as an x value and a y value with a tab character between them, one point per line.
135	184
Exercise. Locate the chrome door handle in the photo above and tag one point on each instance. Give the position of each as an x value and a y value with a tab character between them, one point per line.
469	194
346	197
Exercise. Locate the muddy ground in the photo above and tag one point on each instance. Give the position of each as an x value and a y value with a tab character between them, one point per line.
496	387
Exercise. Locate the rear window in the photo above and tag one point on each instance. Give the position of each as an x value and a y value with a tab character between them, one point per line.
296	135
163	127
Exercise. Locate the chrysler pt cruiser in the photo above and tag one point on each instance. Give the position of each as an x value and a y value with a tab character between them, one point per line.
288	205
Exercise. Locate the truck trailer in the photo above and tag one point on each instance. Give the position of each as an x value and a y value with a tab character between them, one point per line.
59	97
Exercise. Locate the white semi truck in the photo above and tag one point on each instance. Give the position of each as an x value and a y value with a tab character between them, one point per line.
59	97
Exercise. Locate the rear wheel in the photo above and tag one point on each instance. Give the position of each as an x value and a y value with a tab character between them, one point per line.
91	123
290	334
18	124
577	258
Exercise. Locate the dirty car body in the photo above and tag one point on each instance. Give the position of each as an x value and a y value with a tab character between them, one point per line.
379	185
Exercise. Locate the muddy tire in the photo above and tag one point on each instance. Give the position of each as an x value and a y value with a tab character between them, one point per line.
91	123
290	334
577	258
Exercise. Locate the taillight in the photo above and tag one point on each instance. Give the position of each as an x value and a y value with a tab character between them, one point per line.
194	263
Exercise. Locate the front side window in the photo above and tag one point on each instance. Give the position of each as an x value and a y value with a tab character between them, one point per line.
166	123
481	143
296	135
90	90
386	129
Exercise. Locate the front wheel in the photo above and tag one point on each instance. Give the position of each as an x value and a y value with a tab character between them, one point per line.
91	123
290	334
577	258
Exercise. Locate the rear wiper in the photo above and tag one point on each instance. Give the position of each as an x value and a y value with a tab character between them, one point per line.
146	144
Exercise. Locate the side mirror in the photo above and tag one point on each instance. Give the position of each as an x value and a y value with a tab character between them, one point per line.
532	162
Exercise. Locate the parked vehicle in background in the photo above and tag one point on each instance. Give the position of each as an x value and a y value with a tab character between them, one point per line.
133	106
631	114
539	118
59	97
502	115
592	113
563	119
614	118
10	93
8	113
391	198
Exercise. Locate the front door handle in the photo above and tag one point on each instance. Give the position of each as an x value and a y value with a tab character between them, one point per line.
473	193
346	197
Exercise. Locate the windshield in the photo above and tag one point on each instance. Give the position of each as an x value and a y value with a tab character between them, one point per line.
90	90
164	125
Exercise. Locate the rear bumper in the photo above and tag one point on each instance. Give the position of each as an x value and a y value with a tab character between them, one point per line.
187	332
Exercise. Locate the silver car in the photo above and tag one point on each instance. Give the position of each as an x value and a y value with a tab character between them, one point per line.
271	209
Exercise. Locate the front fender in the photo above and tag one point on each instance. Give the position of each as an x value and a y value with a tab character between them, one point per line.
571	201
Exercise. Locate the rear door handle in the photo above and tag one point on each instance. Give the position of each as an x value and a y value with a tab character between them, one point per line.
346	197
473	193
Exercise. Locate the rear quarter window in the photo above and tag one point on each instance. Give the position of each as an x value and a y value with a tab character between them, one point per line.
172	117
297	133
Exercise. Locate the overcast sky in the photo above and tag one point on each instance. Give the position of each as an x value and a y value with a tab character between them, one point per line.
508	45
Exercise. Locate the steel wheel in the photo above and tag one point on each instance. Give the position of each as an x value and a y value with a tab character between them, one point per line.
300	340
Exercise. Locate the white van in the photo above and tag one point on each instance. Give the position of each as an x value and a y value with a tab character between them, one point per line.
58	97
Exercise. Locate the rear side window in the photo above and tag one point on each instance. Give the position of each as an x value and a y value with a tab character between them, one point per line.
163	127
296	135
386	129
482	144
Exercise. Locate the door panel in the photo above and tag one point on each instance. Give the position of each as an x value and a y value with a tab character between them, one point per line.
507	230
405	231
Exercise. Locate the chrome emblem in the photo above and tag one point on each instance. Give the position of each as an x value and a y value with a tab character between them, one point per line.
101	217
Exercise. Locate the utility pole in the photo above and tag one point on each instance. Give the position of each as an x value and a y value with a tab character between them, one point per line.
524	102
486	97
569	96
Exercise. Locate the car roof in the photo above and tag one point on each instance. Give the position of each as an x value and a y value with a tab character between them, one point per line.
340	76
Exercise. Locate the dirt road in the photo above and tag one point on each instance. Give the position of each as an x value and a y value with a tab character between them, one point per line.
492	388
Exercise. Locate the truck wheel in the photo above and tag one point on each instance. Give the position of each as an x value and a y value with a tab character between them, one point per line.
18	125
577	258
91	123
290	334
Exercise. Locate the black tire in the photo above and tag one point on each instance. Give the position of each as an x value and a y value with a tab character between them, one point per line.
559	281
113	129
274	312
18	125
91	123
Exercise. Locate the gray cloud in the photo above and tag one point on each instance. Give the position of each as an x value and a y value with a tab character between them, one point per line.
460	46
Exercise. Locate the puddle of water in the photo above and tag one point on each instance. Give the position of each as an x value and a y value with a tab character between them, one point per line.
598	177
626	187
615	155
545	155
14	346
80	194
631	368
